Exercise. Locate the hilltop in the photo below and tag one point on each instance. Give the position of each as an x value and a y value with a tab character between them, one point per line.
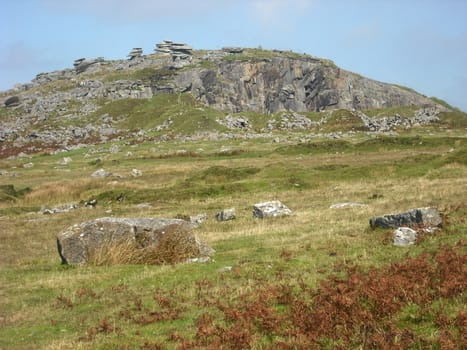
178	91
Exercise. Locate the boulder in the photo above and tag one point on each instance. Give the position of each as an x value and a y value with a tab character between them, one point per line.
79	243
404	236
12	101
270	209
226	215
417	218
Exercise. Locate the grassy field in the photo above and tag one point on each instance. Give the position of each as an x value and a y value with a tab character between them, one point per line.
320	278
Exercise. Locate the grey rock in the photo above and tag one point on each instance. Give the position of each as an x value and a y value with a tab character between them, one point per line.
404	236
65	161
419	217
270	209
347	205
114	149
101	173
136	173
77	243
197	220
226	215
12	101
28	165
232	49
194	220
59	209
81	65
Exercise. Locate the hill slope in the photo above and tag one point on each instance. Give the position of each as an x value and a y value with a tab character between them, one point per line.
185	92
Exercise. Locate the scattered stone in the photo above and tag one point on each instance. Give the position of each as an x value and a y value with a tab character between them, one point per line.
225	269
194	220
59	209
404	236
91	203
270	209
12	101
65	161
77	243
28	165
114	149
143	206
347	205
136	173
101	173
201	259
226	215
418	218
232	122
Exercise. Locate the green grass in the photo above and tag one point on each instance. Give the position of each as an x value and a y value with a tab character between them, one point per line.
49	306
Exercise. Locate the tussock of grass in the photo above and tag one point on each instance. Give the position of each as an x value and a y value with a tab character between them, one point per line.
175	246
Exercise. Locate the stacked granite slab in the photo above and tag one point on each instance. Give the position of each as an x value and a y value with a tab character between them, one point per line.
135	52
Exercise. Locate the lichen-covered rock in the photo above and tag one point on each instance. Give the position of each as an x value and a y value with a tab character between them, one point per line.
270	210
78	243
419	217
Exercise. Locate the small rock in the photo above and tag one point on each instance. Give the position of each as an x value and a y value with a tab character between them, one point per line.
346	205
136	173
59	209
404	236
270	209
100	173
91	203
28	165
114	149
226	215
225	269
65	161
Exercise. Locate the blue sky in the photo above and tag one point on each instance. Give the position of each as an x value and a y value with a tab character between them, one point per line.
421	44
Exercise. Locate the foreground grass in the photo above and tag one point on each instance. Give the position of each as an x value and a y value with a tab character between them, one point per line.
262	286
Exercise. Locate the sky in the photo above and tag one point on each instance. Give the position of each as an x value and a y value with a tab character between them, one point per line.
421	44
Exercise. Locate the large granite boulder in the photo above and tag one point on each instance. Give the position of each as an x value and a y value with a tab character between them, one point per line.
417	218
270	210
79	243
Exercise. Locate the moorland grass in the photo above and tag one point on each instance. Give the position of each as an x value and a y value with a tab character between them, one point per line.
49	306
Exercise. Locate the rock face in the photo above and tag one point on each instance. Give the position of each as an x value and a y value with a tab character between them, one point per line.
77	243
270	210
404	236
419	217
